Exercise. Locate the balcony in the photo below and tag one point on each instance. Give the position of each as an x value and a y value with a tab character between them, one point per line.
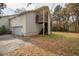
39	18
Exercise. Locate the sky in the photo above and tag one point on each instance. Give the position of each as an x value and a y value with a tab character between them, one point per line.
11	7
16	5
32	6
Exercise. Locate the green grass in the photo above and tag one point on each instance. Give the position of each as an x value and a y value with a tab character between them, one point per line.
67	34
54	36
69	42
62	35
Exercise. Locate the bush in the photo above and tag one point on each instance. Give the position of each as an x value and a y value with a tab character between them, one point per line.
60	29
4	30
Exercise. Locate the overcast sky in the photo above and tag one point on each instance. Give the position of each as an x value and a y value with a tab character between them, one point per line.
11	7
33	5
16	5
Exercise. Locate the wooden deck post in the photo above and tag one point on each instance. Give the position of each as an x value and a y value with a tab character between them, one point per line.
48	23
43	22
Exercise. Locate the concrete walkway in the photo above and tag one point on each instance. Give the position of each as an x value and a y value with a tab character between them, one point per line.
9	43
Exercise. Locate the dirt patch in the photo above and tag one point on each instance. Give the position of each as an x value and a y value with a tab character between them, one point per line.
31	50
60	46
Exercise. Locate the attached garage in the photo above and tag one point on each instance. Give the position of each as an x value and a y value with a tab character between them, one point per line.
17	25
17	30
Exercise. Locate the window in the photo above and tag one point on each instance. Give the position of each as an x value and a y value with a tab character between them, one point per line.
37	18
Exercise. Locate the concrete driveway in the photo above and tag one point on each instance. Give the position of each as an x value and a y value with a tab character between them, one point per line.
9	43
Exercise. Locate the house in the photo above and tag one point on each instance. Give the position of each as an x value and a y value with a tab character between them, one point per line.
31	22
4	21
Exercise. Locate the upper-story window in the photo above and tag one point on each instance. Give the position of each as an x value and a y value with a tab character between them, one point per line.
37	18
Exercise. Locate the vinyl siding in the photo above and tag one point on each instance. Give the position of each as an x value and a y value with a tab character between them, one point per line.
19	21
28	21
4	21
31	27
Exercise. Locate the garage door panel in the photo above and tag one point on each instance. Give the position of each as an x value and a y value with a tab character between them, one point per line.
17	30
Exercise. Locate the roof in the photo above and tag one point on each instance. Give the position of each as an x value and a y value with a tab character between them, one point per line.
25	12
6	16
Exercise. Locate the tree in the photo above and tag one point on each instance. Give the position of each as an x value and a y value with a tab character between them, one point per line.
22	9
57	16
29	4
57	10
2	6
73	9
65	15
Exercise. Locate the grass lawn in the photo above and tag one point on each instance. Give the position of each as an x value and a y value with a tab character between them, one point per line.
60	43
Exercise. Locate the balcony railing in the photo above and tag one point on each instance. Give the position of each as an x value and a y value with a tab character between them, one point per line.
39	18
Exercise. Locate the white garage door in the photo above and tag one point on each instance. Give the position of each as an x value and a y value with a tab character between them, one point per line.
17	30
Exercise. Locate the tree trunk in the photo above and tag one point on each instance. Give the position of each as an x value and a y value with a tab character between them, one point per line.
77	25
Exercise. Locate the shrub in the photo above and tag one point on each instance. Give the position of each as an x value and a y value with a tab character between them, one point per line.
4	30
